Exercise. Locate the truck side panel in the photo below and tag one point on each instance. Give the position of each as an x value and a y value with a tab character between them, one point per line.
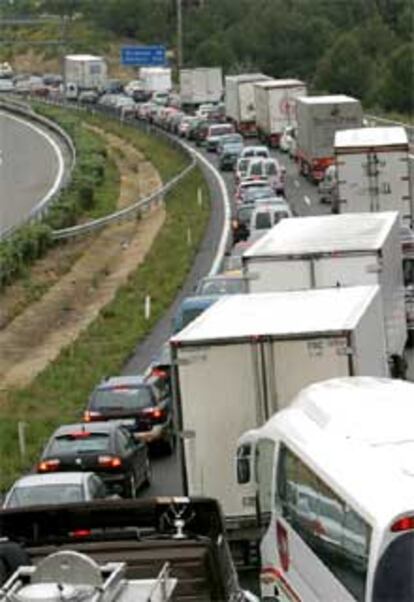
272	276
232	99
218	403
298	363
282	107
369	341
374	181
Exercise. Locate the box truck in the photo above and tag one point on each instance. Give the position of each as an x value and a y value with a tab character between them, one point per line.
335	251
155	79
240	102
84	72
246	357
201	85
275	102
373	171
318	119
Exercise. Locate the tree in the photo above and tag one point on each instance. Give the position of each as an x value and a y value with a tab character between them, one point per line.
396	93
344	68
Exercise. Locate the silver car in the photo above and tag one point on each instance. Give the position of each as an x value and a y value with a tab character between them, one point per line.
56	488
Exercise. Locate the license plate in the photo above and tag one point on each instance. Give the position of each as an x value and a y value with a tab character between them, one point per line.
127	422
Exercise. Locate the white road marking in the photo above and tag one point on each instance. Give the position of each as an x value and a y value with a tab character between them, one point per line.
227	211
54	145
297	183
307	200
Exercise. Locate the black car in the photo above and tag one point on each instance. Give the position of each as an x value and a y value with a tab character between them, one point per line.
241	221
106	448
143	403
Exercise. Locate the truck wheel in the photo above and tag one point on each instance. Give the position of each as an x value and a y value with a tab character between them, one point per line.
169	444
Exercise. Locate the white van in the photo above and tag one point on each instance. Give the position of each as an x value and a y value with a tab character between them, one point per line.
334	477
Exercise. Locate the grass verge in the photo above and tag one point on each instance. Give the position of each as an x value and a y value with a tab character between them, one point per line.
58	395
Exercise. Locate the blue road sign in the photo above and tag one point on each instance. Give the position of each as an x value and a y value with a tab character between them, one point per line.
148	56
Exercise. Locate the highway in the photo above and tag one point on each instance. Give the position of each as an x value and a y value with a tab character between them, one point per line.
31	168
303	198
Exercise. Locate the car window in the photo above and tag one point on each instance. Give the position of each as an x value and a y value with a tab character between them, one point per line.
124	441
83	442
45	494
278	215
97	489
162	388
263	221
256	169
271	169
121	398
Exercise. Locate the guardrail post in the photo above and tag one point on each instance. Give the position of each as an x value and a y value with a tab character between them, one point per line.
21	432
147	307
200	196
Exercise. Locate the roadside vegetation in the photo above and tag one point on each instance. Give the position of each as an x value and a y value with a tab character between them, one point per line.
91	193
58	395
363	48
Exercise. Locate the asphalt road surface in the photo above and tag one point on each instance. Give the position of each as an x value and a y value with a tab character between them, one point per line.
31	166
303	197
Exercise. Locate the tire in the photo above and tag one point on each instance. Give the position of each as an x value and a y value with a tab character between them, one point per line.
148	474
169	444
130	487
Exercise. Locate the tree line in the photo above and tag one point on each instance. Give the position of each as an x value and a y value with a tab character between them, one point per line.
364	48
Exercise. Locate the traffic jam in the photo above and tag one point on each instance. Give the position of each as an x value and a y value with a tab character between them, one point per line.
281	388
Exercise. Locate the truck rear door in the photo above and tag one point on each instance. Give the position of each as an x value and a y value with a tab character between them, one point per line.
348	270
295	364
218	397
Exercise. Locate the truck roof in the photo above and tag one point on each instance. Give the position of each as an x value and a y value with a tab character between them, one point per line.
83	57
247	77
337	98
352	428
281	83
369	137
325	234
283	314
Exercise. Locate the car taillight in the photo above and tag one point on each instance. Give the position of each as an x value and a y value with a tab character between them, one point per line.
158	372
109	461
155	413
406	523
48	465
90	415
79	533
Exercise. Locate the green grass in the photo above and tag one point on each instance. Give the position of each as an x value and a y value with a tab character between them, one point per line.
58	395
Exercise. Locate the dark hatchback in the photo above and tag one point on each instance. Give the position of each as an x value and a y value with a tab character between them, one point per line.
142	403
106	448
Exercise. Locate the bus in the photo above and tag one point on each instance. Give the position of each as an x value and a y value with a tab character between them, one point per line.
334	481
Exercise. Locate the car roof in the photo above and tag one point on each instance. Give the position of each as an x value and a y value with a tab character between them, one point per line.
121	381
199	301
90	427
57	478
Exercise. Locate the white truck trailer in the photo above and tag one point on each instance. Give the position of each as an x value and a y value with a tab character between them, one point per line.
318	119
275	102
240	101
201	85
246	357
155	79
373	171
84	72
335	250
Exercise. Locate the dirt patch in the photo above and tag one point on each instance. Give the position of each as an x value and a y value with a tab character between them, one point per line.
36	337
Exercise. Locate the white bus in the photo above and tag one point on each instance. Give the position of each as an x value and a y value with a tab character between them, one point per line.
335	493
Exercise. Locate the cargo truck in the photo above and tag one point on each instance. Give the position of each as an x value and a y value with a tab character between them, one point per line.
373	171
275	102
336	250
318	119
245	358
155	79
240	102
201	85
83	72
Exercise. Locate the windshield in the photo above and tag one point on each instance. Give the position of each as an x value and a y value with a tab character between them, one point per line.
259	193
220	130
256	169
122	398
72	444
45	494
263	221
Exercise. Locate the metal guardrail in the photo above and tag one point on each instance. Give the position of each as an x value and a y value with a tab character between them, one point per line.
40	210
140	205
